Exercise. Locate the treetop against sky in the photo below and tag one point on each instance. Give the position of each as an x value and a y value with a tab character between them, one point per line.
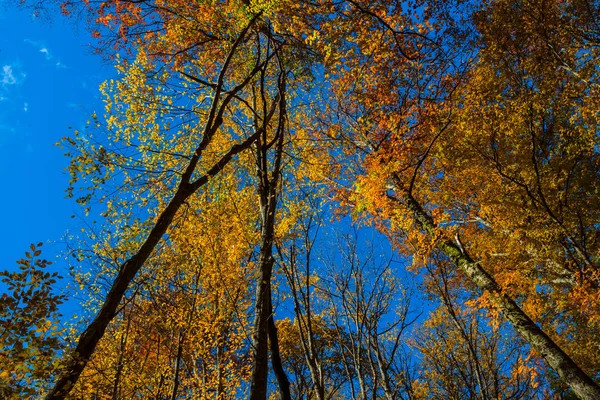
225	140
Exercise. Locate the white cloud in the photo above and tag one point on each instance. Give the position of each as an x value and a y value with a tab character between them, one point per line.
46	52
25	107
10	75
32	42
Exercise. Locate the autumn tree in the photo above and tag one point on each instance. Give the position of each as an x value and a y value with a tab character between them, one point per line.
465	358
184	327
465	131
467	354
371	311
150	108
439	186
351	316
30	328
307	328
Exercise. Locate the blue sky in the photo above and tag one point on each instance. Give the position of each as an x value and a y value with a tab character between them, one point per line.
48	82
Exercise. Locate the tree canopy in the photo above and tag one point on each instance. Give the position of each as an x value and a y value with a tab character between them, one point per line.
247	146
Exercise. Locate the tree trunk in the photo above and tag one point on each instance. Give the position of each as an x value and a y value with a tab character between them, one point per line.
566	368
180	341
258	385
186	187
282	379
267	189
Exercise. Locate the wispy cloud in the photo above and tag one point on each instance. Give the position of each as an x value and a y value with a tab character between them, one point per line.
10	76
33	43
25	107
46	52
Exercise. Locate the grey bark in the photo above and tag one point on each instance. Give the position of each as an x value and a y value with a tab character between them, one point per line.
567	369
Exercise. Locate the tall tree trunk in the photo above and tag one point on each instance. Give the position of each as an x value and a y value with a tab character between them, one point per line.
267	190
121	362
180	341
566	368
282	379
186	187
258	385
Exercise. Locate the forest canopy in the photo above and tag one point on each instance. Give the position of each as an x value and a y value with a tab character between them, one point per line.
327	200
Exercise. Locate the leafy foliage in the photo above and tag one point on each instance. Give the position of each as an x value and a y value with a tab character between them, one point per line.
31	333
466	132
